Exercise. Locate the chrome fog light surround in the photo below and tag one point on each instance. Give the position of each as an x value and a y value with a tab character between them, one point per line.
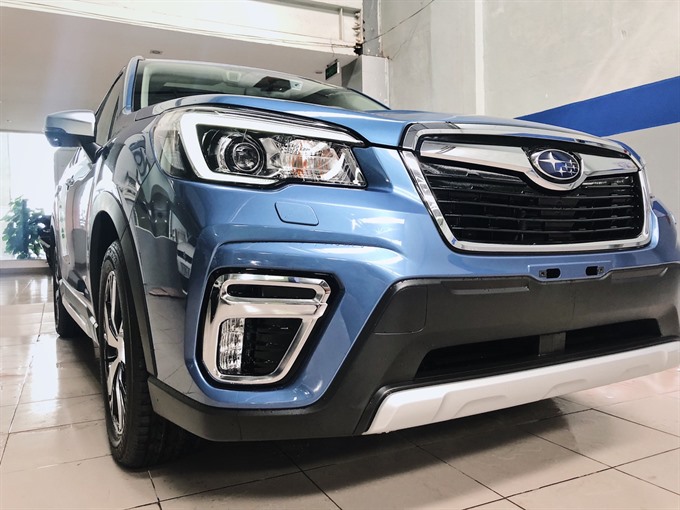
227	305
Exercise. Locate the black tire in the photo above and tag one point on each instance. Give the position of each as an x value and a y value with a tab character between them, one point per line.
64	324
137	436
49	252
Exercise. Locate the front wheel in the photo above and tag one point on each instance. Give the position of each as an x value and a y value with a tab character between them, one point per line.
137	436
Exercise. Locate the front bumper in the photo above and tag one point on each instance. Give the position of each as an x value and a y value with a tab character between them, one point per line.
402	293
417	317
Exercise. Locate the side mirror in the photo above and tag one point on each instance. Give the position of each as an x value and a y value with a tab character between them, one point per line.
73	128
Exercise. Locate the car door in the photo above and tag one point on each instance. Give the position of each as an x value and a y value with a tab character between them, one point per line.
73	205
72	195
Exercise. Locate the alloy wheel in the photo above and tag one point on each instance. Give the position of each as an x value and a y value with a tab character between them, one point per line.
114	355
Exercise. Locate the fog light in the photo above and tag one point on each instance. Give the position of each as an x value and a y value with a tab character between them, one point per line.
256	325
231	346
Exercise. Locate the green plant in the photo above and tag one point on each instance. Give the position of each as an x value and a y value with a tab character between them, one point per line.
21	233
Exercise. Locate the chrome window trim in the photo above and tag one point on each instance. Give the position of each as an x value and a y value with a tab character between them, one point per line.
190	120
130	75
226	306
413	166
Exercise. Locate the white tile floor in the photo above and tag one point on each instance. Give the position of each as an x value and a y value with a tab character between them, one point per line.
611	447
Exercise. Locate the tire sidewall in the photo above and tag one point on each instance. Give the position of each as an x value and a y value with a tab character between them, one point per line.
56	301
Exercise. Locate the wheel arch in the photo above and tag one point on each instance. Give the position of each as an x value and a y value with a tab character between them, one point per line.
108	225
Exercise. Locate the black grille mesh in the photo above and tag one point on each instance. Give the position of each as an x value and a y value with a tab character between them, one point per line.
265	343
489	207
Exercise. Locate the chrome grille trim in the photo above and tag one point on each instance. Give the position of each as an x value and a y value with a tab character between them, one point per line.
416	132
598	157
413	165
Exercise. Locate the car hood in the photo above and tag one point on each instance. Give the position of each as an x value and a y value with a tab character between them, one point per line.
379	127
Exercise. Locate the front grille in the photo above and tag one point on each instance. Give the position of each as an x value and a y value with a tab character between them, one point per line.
489	207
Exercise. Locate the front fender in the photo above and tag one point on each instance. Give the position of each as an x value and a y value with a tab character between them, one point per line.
109	223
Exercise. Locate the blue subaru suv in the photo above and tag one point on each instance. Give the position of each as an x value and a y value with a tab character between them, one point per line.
261	256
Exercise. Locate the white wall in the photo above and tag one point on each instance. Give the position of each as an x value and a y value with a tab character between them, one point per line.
431	53
369	75
534	55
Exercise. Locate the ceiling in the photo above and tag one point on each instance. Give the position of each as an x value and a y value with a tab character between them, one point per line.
51	62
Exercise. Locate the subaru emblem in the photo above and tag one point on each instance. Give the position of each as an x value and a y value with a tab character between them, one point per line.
556	165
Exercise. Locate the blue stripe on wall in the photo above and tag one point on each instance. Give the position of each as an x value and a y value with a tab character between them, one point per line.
647	106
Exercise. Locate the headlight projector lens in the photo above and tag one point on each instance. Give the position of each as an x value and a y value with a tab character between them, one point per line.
241	154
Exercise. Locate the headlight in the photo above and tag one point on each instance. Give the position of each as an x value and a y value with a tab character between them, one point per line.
239	148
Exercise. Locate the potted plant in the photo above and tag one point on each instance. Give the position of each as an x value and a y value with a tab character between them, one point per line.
21	235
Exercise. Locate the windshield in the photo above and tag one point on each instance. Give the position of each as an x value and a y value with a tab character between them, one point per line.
159	81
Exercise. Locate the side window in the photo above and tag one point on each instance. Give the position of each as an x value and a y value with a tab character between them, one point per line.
108	112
